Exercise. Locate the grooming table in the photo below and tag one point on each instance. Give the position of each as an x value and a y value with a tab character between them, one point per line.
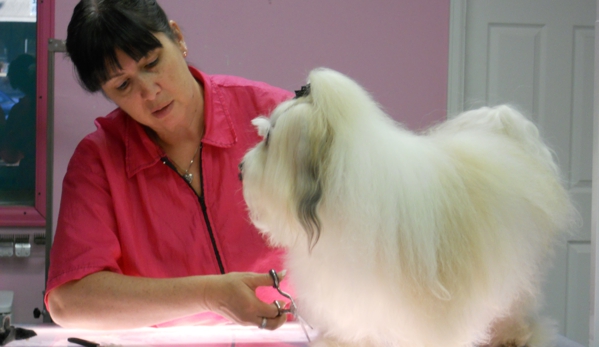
289	335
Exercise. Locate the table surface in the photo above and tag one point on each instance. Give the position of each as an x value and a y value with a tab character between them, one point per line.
289	335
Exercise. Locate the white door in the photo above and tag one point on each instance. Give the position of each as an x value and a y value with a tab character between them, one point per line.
539	56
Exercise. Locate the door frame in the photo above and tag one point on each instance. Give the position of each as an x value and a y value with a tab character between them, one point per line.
594	320
457	57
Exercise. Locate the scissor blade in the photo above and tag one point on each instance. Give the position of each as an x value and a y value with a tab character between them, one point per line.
303	324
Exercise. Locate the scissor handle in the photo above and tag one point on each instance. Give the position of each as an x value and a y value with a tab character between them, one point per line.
275	278
292	306
288	311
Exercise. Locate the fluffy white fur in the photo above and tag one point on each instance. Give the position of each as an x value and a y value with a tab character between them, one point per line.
403	239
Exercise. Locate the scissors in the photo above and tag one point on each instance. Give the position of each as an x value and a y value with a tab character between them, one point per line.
292	306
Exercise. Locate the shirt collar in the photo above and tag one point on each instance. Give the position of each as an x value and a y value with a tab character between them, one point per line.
219	129
142	152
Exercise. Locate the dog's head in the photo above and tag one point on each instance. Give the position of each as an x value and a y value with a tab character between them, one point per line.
286	174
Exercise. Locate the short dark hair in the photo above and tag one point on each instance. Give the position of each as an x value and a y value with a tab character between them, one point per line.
99	27
21	74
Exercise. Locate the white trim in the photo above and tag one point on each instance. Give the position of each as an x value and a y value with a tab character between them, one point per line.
18	19
457	59
593	319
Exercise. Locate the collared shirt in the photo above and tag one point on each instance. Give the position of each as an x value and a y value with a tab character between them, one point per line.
123	210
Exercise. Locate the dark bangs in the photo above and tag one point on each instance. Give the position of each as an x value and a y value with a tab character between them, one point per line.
99	28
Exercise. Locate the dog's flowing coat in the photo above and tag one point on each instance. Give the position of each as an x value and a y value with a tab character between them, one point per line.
403	239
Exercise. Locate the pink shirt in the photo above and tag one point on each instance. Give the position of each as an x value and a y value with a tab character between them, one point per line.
124	210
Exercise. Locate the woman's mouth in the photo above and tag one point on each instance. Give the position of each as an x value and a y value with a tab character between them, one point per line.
163	111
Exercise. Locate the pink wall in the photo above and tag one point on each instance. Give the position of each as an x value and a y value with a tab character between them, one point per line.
398	50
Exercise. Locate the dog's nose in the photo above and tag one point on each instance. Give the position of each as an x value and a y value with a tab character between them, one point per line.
240	166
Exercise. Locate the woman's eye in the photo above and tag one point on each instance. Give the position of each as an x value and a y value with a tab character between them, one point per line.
123	85
152	63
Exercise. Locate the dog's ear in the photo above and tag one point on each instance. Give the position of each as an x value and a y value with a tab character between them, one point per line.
311	170
262	124
327	107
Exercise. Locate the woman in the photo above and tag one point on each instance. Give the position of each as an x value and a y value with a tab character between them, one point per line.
152	228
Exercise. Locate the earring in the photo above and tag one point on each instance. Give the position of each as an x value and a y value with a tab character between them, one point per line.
184	46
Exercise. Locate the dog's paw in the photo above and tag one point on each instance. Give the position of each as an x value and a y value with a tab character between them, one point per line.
329	342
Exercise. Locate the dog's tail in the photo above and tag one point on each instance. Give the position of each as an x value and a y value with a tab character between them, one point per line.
514	124
508	121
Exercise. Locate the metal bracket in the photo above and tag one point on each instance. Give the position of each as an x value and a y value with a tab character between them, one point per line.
22	245
7	245
39	239
57	45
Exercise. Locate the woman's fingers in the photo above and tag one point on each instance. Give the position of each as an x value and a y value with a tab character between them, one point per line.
265	280
274	322
271	323
273	310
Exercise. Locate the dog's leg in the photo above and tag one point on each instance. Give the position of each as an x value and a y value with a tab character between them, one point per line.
530	332
523	328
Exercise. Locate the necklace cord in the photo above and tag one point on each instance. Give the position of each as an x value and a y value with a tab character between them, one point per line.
186	175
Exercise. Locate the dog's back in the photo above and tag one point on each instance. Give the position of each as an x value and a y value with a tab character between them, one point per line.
508	121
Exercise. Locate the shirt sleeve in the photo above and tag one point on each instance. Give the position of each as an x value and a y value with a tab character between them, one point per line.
269	97
85	241
251	98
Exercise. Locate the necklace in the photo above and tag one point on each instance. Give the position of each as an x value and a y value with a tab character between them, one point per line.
188	176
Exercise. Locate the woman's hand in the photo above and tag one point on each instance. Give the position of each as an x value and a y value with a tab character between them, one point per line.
233	296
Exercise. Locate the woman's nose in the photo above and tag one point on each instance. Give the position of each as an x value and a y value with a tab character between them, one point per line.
149	87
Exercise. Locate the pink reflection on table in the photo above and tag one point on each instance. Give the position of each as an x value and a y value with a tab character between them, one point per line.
289	335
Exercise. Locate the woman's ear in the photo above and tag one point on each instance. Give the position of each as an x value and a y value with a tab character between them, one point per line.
178	36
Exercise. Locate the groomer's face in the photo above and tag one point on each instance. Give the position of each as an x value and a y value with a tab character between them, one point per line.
158	90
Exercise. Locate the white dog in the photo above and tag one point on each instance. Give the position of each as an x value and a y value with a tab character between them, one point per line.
400	239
